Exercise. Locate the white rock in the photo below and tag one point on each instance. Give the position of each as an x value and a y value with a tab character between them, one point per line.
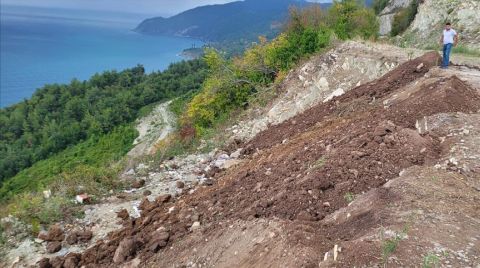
334	94
195	225
47	194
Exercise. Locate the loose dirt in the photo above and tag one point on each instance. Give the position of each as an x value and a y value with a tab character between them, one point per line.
327	178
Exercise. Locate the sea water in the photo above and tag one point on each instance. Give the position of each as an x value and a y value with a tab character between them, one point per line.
43	46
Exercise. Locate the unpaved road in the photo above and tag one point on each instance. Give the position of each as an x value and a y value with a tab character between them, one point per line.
152	129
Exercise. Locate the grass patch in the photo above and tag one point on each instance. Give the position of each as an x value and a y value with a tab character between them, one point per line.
349	197
459	49
430	261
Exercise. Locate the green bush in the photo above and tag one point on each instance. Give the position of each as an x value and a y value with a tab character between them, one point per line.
403	19
379	5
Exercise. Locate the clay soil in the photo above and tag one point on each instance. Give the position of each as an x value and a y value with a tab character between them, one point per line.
293	178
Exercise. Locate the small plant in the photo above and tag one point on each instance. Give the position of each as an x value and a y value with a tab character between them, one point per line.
390	245
349	197
430	261
318	163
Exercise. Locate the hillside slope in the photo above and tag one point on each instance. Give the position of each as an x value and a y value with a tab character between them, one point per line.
425	30
232	21
375	171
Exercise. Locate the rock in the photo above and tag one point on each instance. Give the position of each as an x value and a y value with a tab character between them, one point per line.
130	172
44	263
56	262
142	166
180	184
82	199
54	246
237	153
121	195
123	214
147	193
161	235
84	236
145	204
138	184
195	225
156	245
208	182
305	216
125	249
47	194
72	238
336	93
72	260
55	233
326	204
163	198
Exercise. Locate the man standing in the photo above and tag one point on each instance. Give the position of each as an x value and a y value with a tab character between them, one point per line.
448	40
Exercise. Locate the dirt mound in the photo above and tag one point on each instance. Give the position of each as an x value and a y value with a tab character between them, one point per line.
308	167
363	94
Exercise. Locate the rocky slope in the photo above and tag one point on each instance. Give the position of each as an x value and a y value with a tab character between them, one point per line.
386	16
362	148
425	30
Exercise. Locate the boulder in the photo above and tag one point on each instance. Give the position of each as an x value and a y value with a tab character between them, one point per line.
125	249
54	233
54	246
123	214
44	263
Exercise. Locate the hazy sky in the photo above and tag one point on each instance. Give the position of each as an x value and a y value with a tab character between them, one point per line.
137	6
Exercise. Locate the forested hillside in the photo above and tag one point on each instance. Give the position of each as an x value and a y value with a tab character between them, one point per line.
59	116
242	20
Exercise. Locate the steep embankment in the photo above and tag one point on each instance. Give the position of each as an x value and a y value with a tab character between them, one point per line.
432	14
371	174
425	29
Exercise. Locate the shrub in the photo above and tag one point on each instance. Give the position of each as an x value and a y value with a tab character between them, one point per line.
403	19
379	5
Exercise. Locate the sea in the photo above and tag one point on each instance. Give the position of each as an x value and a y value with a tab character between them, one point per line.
41	46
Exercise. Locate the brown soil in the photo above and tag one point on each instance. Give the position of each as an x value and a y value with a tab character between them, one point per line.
297	175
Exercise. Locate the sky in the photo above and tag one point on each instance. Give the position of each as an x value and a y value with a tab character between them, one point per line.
161	7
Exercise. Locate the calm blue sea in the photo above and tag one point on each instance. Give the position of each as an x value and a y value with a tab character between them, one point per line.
44	46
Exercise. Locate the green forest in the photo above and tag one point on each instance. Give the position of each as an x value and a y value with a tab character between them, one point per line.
59	116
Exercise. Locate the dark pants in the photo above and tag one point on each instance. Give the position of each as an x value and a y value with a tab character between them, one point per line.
446	54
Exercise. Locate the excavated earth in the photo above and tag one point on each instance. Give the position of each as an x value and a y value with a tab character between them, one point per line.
395	161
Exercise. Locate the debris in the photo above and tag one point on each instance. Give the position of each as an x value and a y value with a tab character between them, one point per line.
54	246
138	184
180	184
47	194
82	198
125	249
55	233
123	214
195	225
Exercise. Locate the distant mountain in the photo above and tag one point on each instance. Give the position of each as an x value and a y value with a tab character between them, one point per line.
244	20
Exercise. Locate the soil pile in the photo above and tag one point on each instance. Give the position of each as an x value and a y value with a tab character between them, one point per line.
304	169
